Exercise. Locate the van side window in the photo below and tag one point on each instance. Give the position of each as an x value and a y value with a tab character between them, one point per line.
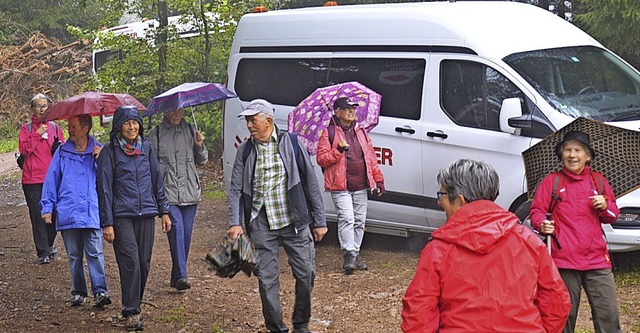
287	81
471	93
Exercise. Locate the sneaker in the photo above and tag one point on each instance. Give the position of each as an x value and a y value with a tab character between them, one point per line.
182	284
77	300
101	299
361	266
134	323
44	260
53	251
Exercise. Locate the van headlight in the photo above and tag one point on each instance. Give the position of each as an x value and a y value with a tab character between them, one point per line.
629	218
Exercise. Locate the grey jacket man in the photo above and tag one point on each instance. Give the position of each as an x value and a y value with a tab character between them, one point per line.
178	156
303	189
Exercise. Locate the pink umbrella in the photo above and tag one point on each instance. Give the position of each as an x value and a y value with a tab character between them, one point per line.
313	114
90	103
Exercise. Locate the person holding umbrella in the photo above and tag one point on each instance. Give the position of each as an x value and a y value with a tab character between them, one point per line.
70	190
130	196
482	271
350	171
35	143
570	205
179	148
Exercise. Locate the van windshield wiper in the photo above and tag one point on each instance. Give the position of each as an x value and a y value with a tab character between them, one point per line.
626	116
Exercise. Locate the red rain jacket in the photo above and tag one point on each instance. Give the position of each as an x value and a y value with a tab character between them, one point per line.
335	162
484	272
578	226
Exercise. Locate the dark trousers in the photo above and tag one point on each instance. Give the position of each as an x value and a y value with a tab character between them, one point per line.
301	257
600	288
133	245
43	234
182	218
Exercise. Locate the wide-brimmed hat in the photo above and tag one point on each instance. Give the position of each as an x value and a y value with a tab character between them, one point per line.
581	137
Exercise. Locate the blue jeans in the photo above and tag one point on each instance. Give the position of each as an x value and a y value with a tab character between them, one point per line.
182	218
79	242
351	207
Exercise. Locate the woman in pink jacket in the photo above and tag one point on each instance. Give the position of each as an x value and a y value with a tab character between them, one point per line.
350	171
582	201
34	143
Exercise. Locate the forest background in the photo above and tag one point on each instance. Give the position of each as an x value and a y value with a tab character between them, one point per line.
155	65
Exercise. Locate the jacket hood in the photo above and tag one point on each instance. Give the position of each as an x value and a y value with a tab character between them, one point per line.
478	226
122	115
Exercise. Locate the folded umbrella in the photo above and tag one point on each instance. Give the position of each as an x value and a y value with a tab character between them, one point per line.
231	257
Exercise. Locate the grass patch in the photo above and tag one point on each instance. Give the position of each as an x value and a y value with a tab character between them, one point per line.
213	190
8	145
627	279
174	316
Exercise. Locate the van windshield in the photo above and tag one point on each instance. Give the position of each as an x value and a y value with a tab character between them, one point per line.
583	81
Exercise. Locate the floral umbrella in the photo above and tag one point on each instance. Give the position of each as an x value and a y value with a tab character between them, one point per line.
313	114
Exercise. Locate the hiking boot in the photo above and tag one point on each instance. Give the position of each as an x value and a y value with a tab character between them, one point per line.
53	252
182	284
349	263
77	300
134	323
101	299
44	260
361	266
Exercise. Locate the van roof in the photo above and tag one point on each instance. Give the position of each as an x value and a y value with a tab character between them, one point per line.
491	29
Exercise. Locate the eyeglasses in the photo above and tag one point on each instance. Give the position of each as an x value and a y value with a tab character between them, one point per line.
40	107
440	194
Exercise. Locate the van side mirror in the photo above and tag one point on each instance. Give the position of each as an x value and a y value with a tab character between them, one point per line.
511	108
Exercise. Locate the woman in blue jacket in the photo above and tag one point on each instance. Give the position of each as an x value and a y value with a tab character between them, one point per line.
131	195
70	189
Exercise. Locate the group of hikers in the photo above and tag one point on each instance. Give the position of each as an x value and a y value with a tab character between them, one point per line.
483	271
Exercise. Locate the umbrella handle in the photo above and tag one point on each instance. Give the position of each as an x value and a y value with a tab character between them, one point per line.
549	244
195	124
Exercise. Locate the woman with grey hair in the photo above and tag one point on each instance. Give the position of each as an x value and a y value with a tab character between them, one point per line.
482	271
34	143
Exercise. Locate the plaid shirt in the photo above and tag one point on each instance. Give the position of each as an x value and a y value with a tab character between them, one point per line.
270	185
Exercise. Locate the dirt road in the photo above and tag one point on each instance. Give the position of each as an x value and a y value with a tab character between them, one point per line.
35	298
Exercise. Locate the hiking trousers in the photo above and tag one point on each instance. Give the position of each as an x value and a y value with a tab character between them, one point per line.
44	234
600	288
182	218
351	207
132	246
302	260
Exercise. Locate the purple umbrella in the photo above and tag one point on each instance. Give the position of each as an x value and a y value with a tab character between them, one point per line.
188	94
312	115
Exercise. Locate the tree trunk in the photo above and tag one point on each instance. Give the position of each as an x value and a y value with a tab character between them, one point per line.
207	43
162	45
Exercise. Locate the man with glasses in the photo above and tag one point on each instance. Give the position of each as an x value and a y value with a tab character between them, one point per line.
482	271
34	143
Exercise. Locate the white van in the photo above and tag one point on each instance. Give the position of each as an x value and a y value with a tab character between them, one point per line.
479	80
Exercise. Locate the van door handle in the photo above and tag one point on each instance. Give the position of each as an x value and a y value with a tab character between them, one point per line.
405	130
437	135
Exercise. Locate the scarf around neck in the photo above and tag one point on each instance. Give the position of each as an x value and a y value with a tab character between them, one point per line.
128	148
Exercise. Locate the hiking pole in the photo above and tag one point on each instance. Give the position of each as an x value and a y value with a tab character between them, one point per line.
549	235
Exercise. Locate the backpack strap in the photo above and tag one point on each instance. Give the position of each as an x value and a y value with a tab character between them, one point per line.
598	180
30	127
557	185
331	130
248	147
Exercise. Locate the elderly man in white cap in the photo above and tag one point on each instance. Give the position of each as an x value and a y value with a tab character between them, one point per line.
274	186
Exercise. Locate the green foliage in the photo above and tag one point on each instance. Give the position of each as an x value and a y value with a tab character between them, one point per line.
174	316
8	145
616	24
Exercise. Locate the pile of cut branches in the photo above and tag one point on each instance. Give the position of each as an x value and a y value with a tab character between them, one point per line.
40	65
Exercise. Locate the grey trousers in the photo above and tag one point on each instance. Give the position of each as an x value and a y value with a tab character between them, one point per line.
351	207
133	245
301	257
601	291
